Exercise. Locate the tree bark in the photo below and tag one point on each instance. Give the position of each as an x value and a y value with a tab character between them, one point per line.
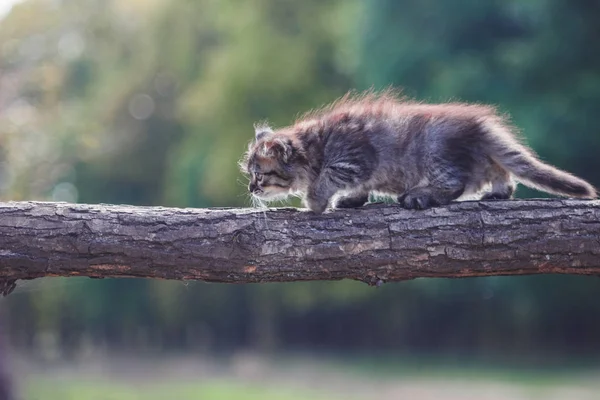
376	243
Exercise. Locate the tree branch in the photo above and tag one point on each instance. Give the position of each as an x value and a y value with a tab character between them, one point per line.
374	244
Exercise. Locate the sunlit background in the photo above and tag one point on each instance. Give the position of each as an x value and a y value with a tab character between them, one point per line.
152	103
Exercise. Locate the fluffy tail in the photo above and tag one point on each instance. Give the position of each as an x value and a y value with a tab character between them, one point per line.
523	163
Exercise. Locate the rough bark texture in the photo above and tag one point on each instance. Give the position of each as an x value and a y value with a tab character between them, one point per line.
375	244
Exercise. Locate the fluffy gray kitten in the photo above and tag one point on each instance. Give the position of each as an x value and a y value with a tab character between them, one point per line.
423	154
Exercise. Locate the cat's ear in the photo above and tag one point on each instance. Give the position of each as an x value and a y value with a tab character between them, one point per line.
262	130
279	148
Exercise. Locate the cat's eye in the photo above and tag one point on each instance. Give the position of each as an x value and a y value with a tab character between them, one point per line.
259	177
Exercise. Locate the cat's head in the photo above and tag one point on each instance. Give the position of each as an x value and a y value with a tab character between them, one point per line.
272	165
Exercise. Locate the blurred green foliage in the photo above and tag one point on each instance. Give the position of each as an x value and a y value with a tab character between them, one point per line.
152	103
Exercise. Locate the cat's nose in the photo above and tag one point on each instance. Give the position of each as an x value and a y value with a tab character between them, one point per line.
252	187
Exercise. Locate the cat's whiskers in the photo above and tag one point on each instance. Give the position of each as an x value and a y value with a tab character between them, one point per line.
261	205
244	184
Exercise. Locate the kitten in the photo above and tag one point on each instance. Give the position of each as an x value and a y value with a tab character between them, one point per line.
423	154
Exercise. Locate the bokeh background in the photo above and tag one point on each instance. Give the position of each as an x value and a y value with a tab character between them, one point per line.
151	102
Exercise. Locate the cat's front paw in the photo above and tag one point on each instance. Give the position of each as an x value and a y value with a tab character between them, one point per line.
496	196
351	201
317	206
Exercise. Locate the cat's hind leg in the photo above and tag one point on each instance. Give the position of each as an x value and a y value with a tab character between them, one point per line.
443	182
503	186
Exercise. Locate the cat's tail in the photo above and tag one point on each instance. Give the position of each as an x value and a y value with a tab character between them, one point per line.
515	157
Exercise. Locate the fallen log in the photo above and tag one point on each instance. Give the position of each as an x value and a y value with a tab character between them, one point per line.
376	243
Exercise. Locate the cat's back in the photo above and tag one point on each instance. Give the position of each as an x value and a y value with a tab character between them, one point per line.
388	106
390	123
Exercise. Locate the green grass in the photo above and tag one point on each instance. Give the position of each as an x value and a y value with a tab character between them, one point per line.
357	376
394	367
99	390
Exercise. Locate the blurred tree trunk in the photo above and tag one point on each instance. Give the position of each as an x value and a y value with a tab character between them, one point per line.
374	244
6	383
264	333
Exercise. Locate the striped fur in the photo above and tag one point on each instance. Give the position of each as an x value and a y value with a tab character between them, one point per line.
423	154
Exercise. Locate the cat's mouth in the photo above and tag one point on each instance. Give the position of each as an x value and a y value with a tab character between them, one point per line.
271	194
